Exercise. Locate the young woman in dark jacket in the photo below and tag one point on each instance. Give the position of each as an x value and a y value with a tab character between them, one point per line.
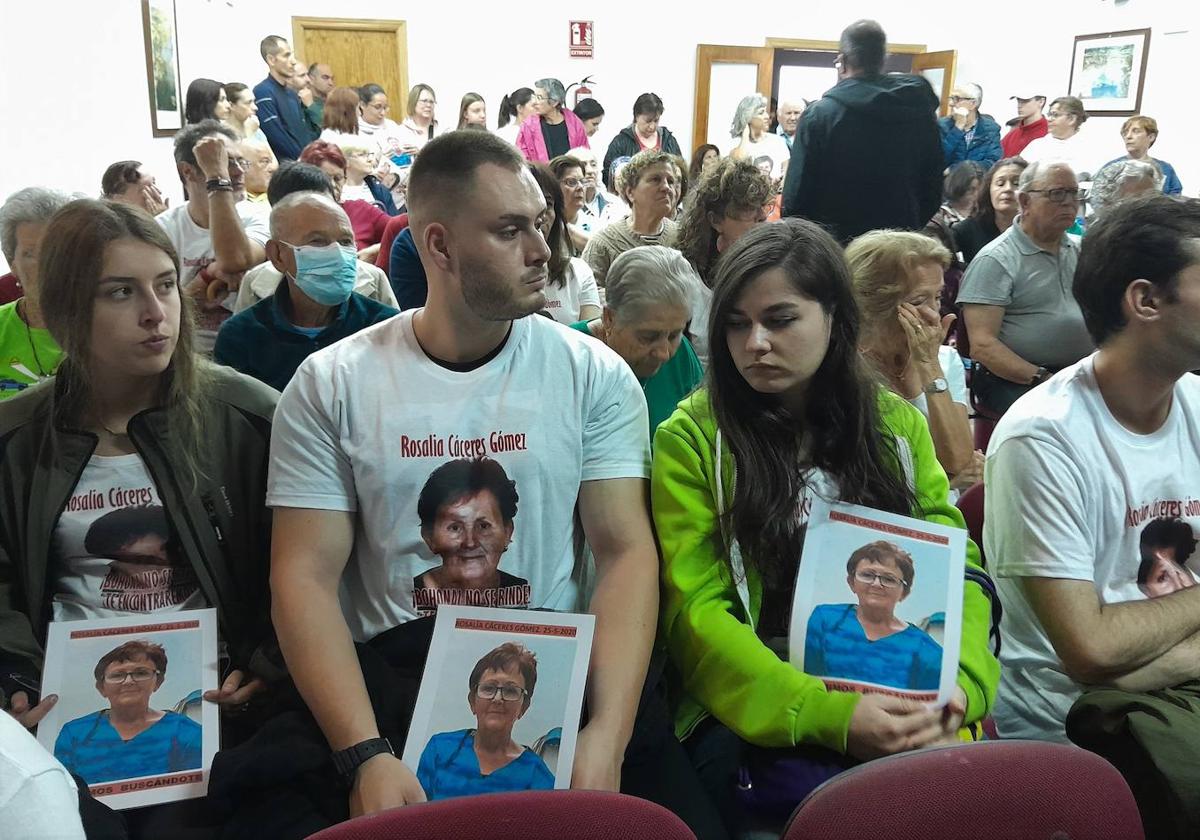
134	480
643	133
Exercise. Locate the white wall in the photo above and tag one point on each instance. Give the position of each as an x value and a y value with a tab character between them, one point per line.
75	95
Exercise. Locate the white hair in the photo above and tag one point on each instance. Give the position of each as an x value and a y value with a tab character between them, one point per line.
1109	181
648	276
281	208
745	111
32	205
1036	170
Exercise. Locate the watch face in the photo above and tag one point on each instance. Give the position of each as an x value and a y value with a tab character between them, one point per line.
937	386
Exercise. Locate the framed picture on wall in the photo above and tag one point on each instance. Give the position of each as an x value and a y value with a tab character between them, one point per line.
1108	70
162	66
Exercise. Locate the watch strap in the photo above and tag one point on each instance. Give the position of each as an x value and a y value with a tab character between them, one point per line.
218	185
347	761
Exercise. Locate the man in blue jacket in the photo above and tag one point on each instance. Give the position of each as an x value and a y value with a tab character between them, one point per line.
867	154
312	245
966	133
280	112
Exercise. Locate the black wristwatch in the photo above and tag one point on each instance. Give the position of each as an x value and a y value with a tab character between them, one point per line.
1040	376
218	185
347	761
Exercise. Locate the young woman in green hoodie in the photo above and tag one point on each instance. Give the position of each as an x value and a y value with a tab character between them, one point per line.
788	413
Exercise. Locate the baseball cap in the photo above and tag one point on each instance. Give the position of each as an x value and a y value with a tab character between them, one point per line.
1031	96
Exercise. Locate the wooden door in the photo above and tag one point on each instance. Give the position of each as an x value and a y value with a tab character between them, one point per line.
938	68
359	51
723	76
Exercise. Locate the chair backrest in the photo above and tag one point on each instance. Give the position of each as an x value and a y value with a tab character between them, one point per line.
1001	790
390	232
530	815
971	505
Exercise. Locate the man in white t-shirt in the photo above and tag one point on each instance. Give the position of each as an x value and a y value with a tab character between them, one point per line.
1086	472
218	234
465	409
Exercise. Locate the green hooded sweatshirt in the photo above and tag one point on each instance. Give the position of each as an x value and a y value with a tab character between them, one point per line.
720	665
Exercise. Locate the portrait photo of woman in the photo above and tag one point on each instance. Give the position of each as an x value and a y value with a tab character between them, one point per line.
867	642
467	508
130	738
486	758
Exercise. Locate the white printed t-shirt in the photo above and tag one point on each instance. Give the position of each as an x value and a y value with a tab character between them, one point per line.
1069	491
113	552
196	253
579	289
364	423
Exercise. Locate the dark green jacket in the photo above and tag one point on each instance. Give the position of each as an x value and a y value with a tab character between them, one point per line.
223	527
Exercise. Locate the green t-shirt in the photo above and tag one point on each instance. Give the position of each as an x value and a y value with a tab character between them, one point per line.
677	378
26	355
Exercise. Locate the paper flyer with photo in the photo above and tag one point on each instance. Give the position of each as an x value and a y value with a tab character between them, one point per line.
878	604
500	700
130	720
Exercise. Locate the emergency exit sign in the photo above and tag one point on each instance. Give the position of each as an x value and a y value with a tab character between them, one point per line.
581	39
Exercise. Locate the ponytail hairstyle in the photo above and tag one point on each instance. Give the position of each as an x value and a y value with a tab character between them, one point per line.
839	431
511	102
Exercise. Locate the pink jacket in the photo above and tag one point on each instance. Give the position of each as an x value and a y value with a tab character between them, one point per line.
533	145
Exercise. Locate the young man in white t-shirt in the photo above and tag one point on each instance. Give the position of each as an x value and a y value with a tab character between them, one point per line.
218	234
465	407
1080	467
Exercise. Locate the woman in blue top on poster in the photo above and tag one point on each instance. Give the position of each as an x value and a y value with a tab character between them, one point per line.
487	759
866	642
129	739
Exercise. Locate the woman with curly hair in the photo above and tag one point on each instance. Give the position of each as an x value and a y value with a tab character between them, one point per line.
732	197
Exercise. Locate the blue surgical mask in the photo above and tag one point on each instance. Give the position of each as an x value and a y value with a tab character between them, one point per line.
326	273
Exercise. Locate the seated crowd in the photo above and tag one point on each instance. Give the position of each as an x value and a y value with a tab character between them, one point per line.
861	302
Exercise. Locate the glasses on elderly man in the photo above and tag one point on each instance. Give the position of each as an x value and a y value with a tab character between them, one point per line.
508	693
1061	196
141	675
962	98
886	581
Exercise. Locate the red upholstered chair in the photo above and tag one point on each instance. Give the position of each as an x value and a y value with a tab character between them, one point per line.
971	505
530	815
1001	790
394	226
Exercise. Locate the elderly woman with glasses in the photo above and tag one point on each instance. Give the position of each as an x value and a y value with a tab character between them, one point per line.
129	739
486	758
1066	142
751	124
552	129
866	642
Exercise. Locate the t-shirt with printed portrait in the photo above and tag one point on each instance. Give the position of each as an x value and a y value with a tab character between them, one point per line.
114	552
1072	494
464	484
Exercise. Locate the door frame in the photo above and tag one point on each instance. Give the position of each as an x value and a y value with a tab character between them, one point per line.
709	54
399	28
833	46
946	60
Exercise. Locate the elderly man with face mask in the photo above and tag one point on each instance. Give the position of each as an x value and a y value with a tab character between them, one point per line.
966	133
312	246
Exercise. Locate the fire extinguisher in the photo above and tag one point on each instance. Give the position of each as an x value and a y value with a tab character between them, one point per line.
582	91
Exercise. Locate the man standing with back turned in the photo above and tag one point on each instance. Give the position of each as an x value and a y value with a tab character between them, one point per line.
867	154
